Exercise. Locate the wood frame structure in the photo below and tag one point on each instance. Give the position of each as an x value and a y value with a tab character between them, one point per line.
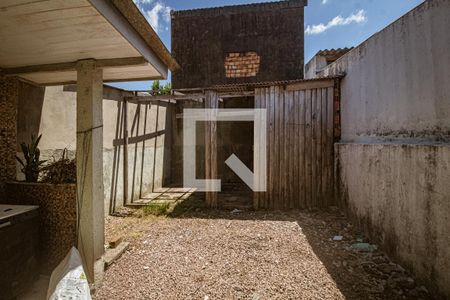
302	124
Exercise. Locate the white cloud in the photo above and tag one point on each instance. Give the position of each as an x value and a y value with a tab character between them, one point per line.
158	15
359	17
140	2
324	1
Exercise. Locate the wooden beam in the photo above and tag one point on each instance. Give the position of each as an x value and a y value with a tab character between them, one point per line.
196	96
167	97
306	85
212	102
236	94
125	152
71	66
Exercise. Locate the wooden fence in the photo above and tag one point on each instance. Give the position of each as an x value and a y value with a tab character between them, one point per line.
302	123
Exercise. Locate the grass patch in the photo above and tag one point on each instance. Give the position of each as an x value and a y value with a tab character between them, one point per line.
187	206
155	209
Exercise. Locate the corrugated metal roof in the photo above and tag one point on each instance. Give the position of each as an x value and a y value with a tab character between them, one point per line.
333	52
237	87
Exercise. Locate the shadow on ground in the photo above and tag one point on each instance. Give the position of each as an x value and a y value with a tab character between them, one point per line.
359	274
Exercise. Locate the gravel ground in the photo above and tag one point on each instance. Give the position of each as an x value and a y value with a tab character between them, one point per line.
248	255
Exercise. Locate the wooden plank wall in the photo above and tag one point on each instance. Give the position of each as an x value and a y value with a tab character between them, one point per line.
300	138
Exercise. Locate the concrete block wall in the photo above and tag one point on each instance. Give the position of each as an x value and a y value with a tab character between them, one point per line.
9	94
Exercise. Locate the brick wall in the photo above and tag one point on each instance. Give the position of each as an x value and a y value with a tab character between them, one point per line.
242	64
9	94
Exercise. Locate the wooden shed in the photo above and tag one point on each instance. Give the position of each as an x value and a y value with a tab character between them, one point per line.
302	124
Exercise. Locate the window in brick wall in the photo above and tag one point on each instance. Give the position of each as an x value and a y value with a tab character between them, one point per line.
245	64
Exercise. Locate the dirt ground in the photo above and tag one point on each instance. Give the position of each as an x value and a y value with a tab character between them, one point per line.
249	255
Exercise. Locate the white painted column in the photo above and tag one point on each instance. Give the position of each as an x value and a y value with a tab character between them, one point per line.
90	164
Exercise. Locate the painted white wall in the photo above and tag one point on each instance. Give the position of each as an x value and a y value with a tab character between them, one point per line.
397	83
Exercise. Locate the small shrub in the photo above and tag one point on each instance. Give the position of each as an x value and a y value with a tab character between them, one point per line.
31	167
63	170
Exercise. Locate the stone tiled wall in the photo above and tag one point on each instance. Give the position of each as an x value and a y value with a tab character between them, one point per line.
57	217
242	64
9	93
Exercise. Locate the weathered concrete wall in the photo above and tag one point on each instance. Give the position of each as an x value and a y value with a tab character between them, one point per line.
314	66
393	166
9	93
215	45
397	82
400	195
148	149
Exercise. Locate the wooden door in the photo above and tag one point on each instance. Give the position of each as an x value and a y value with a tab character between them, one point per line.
301	131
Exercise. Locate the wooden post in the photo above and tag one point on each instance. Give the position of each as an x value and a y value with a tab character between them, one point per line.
125	151
90	198
212	101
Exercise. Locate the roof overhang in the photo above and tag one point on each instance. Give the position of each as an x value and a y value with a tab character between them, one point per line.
41	41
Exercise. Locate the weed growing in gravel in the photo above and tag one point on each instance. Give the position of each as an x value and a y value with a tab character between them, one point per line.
155	209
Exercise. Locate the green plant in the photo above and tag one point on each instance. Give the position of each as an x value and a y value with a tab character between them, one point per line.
158	89
63	170
156	209
32	165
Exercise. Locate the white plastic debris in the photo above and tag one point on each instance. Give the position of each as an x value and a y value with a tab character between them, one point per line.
236	211
338	238
68	280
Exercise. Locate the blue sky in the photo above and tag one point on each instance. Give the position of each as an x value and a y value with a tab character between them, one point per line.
328	23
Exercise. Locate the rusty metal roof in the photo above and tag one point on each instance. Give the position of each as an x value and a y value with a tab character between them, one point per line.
238	87
333	52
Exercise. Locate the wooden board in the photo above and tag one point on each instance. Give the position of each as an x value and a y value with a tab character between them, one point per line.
300	141
212	101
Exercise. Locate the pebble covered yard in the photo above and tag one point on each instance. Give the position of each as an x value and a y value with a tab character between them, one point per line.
250	255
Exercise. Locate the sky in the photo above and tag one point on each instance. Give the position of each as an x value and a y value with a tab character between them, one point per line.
328	23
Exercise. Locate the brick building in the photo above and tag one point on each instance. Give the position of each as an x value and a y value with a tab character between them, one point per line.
238	44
